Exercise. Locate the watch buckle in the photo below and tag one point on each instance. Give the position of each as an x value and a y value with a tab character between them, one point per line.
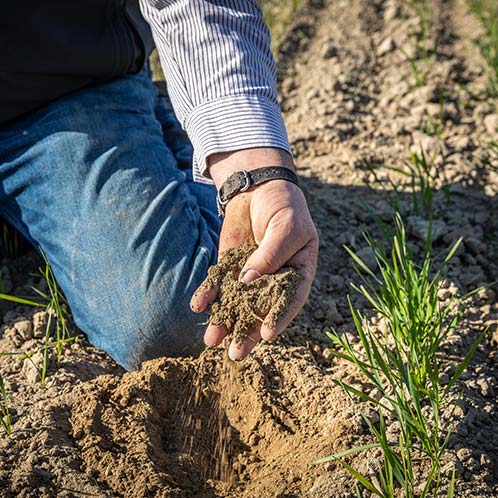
221	204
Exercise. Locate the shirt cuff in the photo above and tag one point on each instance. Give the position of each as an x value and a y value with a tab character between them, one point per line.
233	123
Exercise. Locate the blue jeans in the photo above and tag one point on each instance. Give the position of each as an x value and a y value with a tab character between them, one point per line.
100	180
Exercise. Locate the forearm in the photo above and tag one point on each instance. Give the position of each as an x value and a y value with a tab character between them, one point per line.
221	75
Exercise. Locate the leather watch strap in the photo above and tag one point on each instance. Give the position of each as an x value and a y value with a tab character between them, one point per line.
240	181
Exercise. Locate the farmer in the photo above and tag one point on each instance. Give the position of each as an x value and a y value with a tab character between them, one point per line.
118	185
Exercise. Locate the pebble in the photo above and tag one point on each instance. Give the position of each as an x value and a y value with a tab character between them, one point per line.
475	246
464	454
444	379
487	295
332	314
391	12
367	256
386	46
419	227
31	368
24	328
491	124
329	50
485	388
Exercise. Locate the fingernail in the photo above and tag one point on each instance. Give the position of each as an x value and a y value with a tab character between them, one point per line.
249	276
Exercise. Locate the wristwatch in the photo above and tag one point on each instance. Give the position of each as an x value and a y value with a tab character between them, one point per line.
242	180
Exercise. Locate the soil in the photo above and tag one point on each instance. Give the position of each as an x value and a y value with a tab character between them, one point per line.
240	307
207	427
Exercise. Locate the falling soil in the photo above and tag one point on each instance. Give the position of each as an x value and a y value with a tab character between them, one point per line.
240	307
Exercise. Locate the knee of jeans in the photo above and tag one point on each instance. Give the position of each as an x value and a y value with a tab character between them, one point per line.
155	328
148	317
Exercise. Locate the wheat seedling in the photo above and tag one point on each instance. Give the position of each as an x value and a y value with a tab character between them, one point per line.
403	364
5	416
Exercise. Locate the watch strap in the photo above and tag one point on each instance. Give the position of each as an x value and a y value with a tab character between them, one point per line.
242	180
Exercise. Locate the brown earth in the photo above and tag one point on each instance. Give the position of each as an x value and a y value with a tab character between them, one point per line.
207	427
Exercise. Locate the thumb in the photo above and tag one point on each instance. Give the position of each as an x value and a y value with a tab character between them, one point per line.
268	258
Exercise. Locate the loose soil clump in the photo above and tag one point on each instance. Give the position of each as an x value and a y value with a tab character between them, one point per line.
240	306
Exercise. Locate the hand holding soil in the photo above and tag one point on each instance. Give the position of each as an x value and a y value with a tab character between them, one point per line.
275	215
241	307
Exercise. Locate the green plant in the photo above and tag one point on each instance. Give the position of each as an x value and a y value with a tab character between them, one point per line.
54	302
422	177
403	364
435	126
278	15
487	12
5	416
10	241
56	307
424	56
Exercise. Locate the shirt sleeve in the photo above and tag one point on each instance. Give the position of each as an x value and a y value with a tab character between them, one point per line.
220	73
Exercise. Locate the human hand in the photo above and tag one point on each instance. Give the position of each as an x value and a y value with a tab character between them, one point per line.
276	216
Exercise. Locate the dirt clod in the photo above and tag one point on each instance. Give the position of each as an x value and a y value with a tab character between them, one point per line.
240	306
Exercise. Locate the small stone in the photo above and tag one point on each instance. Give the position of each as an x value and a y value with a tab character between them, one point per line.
475	246
39	324
24	328
485	388
327	353
485	461
391	12
443	294
491	123
253	439
444	379
329	50
332	314
487	295
461	143
319	314
32	368
386	46
464	455
375	394
419	227
367	256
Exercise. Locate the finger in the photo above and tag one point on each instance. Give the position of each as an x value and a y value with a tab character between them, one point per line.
202	297
214	335
305	260
239	350
234	234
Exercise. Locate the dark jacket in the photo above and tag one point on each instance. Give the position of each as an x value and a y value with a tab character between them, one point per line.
50	48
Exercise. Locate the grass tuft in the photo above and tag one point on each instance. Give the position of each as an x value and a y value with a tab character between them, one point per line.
403	363
5	417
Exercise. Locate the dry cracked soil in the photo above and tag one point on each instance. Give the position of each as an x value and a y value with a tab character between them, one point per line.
208	427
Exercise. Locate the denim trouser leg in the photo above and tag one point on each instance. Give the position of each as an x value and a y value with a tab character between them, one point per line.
92	181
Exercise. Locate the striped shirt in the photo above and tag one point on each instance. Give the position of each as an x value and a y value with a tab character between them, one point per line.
220	73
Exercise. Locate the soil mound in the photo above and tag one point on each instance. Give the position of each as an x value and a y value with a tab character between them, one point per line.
209	427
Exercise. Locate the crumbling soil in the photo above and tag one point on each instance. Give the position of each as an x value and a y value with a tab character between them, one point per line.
210	428
241	307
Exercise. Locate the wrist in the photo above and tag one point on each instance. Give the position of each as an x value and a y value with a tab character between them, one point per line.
222	165
241	181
